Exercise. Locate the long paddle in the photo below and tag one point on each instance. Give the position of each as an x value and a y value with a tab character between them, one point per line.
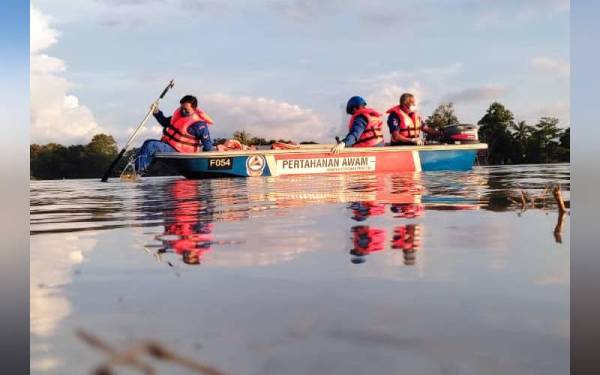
132	136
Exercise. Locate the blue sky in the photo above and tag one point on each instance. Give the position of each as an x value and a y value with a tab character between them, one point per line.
14	70
284	68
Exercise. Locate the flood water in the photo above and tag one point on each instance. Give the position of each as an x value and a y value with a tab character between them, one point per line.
427	273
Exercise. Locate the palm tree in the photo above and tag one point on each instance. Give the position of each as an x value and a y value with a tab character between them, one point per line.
521	132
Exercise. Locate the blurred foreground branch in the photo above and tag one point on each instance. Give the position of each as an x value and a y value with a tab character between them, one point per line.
132	356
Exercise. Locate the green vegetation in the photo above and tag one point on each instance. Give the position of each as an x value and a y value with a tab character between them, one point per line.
509	142
443	115
54	161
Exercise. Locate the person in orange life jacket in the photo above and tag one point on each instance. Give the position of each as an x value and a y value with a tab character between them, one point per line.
405	123
408	239
364	126
366	240
185	131
407	210
362	210
185	233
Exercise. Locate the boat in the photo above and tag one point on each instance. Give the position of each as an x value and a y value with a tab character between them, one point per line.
317	159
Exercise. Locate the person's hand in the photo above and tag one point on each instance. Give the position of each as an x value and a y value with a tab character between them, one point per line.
339	147
154	107
418	141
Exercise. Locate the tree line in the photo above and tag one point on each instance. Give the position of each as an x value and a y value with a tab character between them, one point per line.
509	142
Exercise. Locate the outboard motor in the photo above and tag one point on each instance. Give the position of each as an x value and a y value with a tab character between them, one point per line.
460	134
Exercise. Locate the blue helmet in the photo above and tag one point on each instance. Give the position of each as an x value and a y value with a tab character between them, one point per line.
355	101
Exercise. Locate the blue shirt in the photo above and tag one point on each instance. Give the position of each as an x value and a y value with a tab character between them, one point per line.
393	122
198	129
358	127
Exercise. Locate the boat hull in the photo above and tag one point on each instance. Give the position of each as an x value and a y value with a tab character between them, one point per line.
318	160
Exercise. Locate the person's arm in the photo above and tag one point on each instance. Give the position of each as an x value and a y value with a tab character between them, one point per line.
358	127
394	125
200	131
162	120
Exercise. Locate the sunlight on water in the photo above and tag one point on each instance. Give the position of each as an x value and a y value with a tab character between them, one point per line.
409	273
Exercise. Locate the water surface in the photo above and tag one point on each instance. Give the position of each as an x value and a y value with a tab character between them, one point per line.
426	273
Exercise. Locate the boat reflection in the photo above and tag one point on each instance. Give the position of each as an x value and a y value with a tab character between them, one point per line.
190	217
403	194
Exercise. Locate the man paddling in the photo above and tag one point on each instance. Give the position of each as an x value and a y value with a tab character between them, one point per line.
364	126
185	131
405	123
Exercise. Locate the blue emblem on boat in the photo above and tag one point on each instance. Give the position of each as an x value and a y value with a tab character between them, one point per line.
255	165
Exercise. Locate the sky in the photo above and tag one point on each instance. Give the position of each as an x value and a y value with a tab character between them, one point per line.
284	69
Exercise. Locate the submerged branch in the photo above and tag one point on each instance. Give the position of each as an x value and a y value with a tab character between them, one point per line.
523	198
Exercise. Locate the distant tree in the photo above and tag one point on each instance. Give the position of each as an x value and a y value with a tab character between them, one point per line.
47	161
100	152
565	138
544	141
242	136
258	141
443	115
521	133
103	144
494	131
565	145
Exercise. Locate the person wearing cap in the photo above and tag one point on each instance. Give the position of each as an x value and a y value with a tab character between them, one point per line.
364	126
185	131
405	123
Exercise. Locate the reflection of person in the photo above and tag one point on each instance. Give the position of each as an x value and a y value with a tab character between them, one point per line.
408	239
364	126
185	131
407	210
185	233
362	210
365	240
405	123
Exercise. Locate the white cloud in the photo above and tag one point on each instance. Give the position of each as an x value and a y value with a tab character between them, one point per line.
558	109
475	94
386	96
552	66
56	115
383	90
52	261
263	117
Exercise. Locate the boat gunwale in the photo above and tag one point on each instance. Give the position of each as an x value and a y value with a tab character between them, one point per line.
321	149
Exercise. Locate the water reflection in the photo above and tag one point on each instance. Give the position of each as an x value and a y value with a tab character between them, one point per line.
193	213
188	228
250	248
191	217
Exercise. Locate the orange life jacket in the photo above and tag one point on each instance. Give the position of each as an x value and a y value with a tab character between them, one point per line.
367	239
372	136
407	238
410	124
176	133
187	236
